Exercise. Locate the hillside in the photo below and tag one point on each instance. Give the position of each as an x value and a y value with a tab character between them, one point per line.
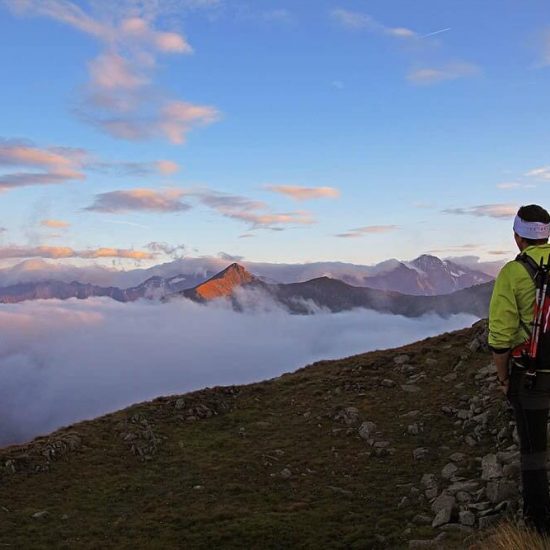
363	452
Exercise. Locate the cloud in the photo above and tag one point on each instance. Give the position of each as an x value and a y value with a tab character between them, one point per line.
139	199
55	224
121	98
450	71
511	185
176	251
486	210
139	169
455	248
304	193
167	167
542	173
41	166
62	362
58	252
366	230
361	21
230	257
3	229
255	213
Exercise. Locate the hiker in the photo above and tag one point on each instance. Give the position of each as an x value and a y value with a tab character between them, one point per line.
511	315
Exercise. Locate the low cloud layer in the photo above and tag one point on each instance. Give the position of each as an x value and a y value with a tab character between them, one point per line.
61	362
150	200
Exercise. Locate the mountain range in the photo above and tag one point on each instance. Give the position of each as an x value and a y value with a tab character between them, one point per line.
303	297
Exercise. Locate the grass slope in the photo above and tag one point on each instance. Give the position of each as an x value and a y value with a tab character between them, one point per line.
207	469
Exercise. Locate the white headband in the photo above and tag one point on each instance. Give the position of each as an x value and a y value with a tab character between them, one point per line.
531	230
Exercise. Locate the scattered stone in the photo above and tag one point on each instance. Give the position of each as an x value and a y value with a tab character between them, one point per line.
443	502
467	518
410	388
420	453
450	377
497	491
348	416
410	414
413	429
490	468
431	362
387	383
286	473
367	430
457	457
340	490
449	470
401	359
41	514
442	517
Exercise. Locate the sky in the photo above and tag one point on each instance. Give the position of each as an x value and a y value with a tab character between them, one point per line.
318	130
54	373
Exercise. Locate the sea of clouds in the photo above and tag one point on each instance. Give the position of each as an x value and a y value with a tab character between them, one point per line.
64	361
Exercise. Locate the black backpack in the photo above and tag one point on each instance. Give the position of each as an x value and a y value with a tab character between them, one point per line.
535	354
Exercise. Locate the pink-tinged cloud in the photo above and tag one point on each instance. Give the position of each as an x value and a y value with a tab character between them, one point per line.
167	167
59	252
255	213
110	71
486	210
139	199
56	164
367	230
304	193
452	71
121	98
179	117
55	224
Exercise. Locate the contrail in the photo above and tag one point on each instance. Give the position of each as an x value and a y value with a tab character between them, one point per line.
436	32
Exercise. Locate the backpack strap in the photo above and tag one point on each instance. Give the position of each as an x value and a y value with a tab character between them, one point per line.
530	265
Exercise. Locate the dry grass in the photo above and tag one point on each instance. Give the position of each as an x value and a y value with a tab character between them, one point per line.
509	536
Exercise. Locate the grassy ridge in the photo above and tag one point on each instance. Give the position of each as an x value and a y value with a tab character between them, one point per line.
266	465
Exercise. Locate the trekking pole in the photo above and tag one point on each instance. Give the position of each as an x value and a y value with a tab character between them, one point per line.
539	308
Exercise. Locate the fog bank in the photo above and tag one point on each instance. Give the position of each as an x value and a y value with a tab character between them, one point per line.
64	361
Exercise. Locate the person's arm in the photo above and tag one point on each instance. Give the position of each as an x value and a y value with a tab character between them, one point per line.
501	361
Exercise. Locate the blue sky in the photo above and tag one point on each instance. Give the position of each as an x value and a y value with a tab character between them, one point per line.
278	131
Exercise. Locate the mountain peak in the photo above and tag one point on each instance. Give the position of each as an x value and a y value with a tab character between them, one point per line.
223	283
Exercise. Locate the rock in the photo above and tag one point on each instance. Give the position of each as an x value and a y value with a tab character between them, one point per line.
367	430
349	416
180	403
443	502
490	468
468	486
450	377
401	359
381	444
431	492
41	514
430	362
410	414
449	470
511	470
285	473
428	480
463	497
457	527
387	383
479	506
497	491
410	388
457	457
420	452
413	429
430	543
466	518
463	414
470	441
442	517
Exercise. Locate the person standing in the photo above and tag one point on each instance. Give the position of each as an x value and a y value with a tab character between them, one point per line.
510	321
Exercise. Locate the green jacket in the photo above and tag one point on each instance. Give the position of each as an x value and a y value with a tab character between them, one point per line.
512	302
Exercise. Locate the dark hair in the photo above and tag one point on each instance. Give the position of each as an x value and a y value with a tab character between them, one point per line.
534	213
